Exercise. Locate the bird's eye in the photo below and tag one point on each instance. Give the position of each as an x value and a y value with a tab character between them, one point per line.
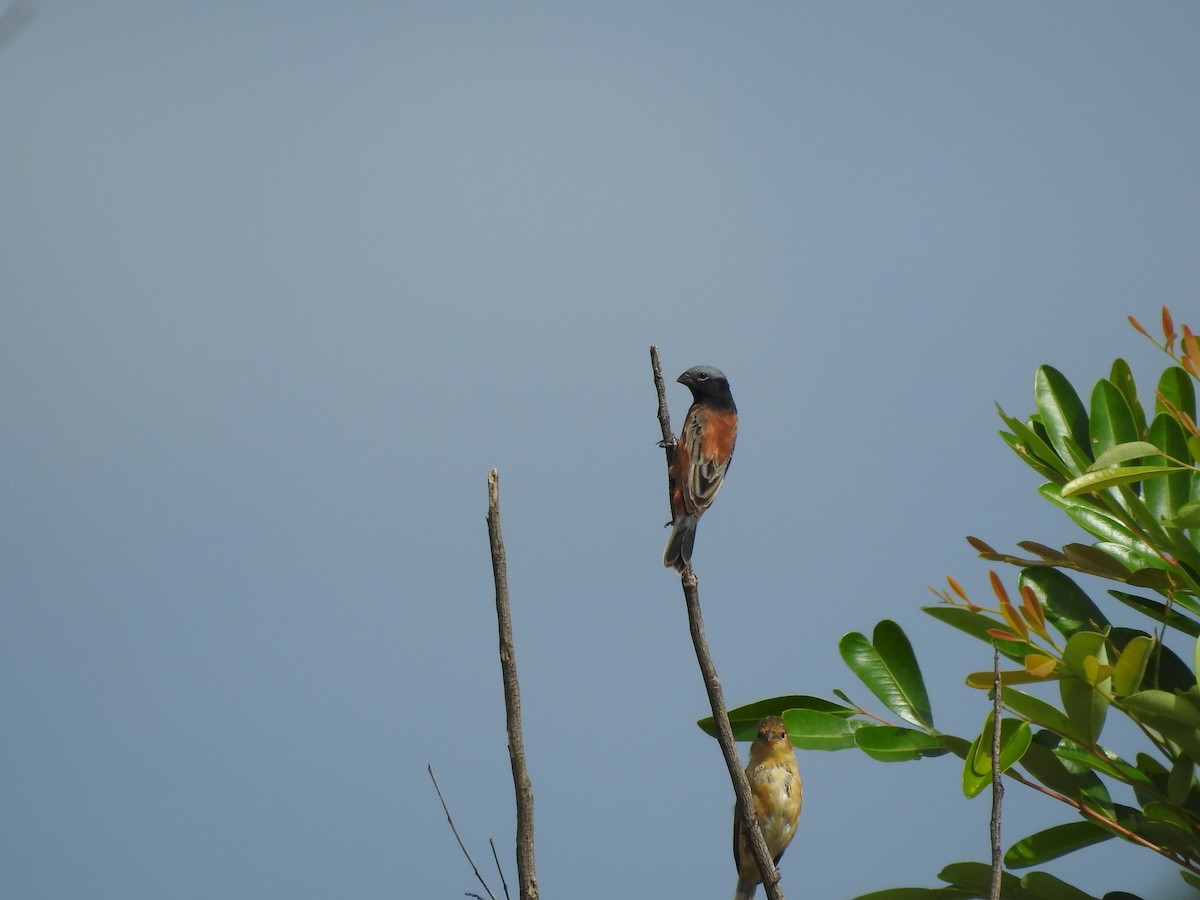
703	376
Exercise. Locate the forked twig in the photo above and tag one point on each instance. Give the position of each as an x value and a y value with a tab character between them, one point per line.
457	837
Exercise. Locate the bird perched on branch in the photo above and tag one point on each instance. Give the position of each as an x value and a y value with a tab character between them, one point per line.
701	458
777	791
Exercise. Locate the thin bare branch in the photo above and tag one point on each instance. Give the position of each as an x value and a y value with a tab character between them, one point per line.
712	684
997	781
526	870
500	869
457	837
664	419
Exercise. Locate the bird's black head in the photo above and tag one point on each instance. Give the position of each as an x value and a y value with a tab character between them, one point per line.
708	385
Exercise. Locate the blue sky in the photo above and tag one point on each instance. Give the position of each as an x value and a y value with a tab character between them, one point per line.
282	281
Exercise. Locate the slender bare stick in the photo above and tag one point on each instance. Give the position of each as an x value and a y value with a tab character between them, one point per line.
526	870
997	781
668	442
466	852
712	684
503	880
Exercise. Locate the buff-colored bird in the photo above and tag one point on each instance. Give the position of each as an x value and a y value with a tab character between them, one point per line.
776	788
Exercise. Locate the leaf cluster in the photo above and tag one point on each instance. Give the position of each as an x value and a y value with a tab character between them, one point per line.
1131	482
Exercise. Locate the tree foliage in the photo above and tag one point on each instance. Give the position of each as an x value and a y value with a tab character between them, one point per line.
1131	482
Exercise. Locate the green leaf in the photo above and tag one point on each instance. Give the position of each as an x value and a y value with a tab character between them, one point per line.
977	877
1102	761
1160	704
1172	715
1045	886
1164	670
1067	607
1122	376
1091	482
972	875
889	668
1181	779
1120	453
1015	737
1188	515
1164	497
1051	760
1039	712
1104	563
1091	518
942	893
888	743
1166	827
1053	843
1160	612
952	742
1021	448
976	623
1154	776
744	719
1141	561
1176	387
974	781
1063	416
982	680
1085	695
813	730
1131	665
1030	446
1111	421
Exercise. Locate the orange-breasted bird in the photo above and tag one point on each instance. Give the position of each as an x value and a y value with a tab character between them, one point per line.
701	458
777	791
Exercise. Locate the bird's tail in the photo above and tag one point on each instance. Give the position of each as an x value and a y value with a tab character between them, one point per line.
745	890
679	545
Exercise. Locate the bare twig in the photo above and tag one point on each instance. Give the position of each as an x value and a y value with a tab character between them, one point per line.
503	880
466	852
712	684
664	420
526	870
997	781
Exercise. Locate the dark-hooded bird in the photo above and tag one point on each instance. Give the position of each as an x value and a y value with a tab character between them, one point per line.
777	792
701	458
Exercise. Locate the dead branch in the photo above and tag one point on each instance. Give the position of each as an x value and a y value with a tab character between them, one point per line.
526	870
712	684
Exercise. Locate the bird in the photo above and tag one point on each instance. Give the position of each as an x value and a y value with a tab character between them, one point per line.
777	791
702	457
